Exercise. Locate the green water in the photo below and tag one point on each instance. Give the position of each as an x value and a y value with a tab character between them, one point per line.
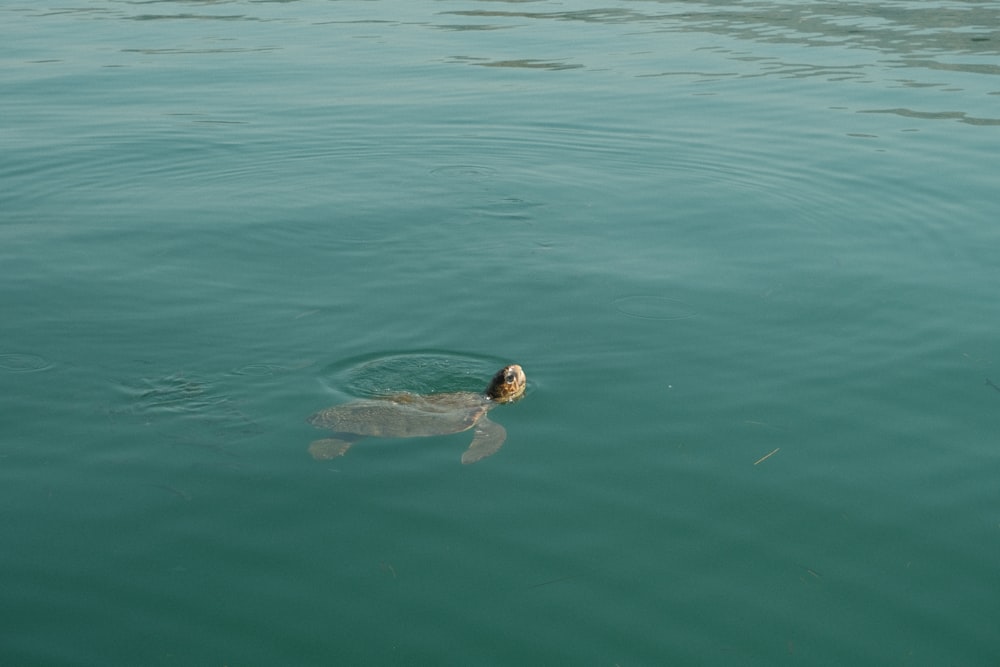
746	255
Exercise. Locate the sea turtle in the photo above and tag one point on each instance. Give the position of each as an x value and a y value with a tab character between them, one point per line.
409	415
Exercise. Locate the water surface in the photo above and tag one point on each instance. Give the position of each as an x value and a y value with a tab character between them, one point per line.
744	252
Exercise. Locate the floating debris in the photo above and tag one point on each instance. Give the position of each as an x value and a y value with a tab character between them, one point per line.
767	456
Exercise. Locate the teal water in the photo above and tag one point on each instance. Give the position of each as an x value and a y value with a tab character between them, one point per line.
746	254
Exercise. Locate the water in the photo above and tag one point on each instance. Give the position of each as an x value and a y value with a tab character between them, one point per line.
746	254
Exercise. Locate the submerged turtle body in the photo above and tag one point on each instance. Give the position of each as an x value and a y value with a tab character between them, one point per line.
414	415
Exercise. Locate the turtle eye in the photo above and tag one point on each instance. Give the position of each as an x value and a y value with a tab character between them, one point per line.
509	379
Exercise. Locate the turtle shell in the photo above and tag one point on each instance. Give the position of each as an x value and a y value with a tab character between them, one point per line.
405	415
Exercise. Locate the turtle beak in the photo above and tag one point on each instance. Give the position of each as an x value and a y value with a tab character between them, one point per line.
515	379
508	384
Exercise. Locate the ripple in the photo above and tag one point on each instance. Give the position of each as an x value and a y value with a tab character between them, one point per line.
209	414
466	172
23	363
175	393
420	371
259	370
647	307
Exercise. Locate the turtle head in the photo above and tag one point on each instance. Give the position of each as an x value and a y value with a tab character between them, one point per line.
507	385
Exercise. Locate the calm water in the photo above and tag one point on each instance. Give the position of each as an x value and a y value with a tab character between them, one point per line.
747	254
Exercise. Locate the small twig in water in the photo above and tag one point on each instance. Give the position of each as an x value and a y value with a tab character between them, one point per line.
767	456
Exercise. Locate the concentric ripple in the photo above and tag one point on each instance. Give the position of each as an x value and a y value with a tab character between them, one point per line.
467	172
650	307
24	363
421	371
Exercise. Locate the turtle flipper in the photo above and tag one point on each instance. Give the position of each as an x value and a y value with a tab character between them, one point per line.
330	448
489	436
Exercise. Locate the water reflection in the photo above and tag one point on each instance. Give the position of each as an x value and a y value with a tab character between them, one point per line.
214	17
525	63
901	28
171	52
837	41
941	115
